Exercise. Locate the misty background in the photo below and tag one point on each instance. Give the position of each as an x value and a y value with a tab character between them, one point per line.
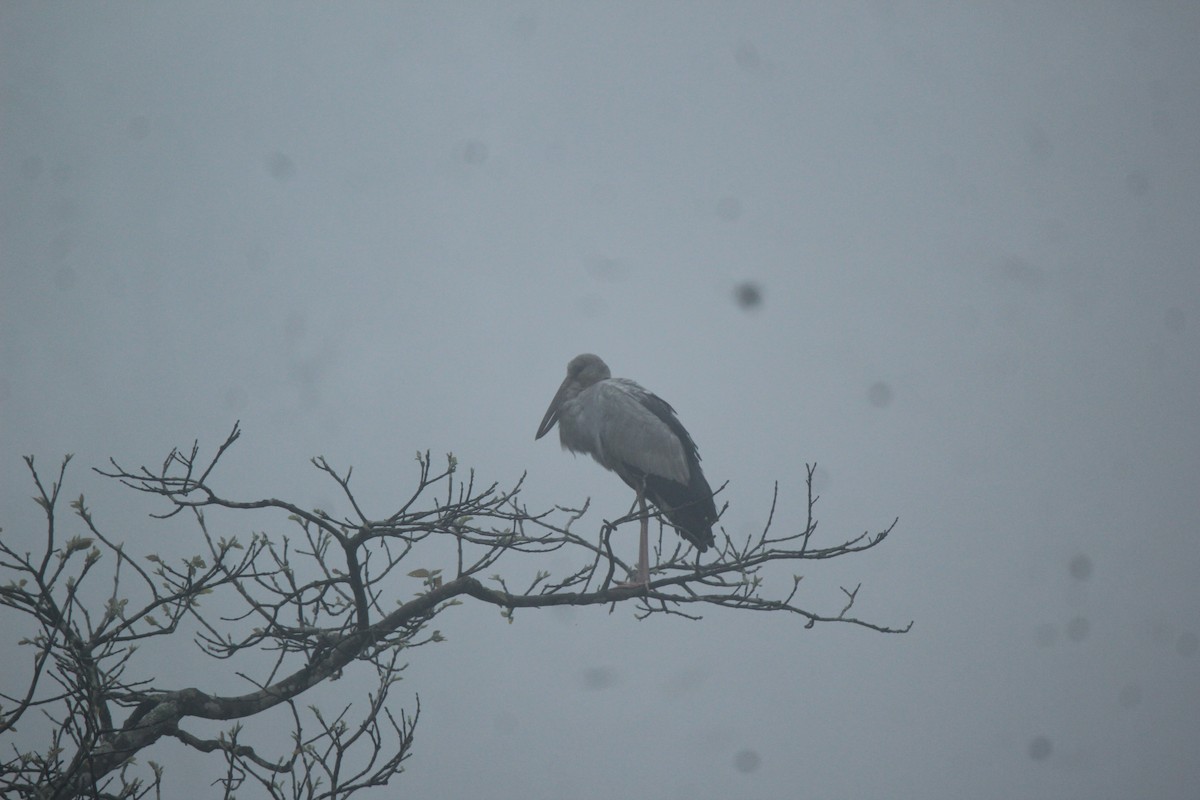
947	251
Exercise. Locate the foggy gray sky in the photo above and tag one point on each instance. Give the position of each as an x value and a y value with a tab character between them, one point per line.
370	229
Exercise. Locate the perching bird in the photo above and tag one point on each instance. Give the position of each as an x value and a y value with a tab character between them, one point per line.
635	434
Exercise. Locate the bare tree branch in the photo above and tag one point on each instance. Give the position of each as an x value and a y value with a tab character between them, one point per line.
299	609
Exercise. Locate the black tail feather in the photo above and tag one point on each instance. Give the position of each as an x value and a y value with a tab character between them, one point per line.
690	509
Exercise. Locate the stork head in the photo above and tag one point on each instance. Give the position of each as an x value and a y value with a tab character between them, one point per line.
582	372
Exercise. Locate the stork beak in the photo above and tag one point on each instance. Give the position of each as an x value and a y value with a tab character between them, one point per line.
552	412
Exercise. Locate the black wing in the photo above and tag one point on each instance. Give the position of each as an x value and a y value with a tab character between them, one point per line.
689	508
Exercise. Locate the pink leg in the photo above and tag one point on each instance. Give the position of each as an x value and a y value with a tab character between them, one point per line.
644	545
643	568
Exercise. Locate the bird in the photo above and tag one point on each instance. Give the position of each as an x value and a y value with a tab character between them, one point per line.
637	435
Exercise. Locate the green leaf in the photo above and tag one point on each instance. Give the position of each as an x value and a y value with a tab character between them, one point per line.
419	573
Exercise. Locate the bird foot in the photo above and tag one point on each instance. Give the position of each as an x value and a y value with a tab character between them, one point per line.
642	581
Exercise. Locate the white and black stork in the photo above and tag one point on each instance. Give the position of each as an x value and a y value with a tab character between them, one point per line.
635	434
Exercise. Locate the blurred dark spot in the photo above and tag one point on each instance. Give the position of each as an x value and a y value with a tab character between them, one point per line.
66	209
524	26
1122	469
1039	748
116	285
554	152
746	56
1045	634
748	295
1038	143
1129	696
235	399
1187	644
885	14
1140	40
1051	231
886	122
5	390
138	128
968	193
294	327
1021	272
1137	184
1160	634
600	678
729	208
1162	121
257	256
473	151
306	374
64	278
607	269
280	167
685	681
1081	567
1159	90
60	247
591	305
1078	629
746	761
879	394
31	168
821	480
1174	319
